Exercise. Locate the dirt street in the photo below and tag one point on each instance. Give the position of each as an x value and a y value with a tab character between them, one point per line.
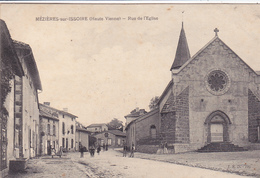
110	164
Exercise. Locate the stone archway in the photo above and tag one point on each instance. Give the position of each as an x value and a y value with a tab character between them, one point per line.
217	124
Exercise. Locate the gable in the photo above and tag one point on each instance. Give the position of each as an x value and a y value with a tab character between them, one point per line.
216	48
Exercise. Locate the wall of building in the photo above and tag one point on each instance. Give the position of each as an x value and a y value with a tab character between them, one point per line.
82	138
234	103
143	125
9	105
130	134
68	135
101	138
30	110
253	114
51	136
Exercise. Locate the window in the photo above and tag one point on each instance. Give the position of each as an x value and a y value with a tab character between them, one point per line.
48	129
63	142
118	141
72	129
153	131
72	141
63	116
109	141
217	82
63	128
54	130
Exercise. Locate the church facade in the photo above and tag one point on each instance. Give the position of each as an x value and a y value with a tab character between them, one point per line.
213	98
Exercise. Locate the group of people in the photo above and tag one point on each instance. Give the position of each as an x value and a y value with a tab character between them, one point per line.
125	149
92	149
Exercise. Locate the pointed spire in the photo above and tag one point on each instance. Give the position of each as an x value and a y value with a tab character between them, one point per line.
182	53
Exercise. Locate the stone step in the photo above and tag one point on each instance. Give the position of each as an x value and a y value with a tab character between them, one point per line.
221	147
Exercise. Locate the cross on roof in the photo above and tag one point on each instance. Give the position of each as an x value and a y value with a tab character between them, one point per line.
216	31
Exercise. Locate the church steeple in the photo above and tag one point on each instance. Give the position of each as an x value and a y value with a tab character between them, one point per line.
182	53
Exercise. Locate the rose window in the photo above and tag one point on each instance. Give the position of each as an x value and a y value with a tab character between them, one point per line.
217	82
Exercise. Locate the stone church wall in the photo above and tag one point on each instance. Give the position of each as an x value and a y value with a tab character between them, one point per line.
253	113
144	140
234	103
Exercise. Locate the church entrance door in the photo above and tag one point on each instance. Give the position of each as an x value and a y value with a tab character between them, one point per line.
217	126
216	131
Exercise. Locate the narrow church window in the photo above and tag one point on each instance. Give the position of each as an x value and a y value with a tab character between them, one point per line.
153	131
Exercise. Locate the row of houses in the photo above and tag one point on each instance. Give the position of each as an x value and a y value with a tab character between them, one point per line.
27	128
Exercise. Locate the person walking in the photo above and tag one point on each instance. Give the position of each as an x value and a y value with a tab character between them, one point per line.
106	146
98	149
124	149
53	152
132	150
81	149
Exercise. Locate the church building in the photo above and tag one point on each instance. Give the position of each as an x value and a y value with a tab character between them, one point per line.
210	104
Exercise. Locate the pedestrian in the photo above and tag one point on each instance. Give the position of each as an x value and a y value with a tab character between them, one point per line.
132	150
165	149
81	149
98	149
106	146
124	149
53	152
92	151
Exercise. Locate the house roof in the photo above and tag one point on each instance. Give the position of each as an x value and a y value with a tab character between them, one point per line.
135	113
47	115
82	129
7	47
165	91
182	52
142	117
60	111
30	62
114	132
96	125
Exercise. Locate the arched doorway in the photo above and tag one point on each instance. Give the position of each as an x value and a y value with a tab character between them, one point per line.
217	124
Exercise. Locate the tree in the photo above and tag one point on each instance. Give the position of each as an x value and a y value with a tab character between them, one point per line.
115	124
154	103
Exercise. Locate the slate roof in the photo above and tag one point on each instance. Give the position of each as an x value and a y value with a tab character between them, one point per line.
48	115
8	49
30	62
136	114
114	132
182	52
60	111
142	117
82	130
96	125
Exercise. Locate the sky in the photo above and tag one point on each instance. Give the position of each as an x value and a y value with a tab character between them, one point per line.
103	69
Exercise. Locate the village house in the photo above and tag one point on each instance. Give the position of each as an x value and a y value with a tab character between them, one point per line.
113	138
82	137
9	67
134	114
48	132
67	126
97	127
212	103
26	104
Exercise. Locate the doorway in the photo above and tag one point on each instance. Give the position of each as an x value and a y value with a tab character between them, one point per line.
216	132
217	125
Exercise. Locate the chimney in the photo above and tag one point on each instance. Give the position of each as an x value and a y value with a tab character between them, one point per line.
137	109
65	109
47	103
